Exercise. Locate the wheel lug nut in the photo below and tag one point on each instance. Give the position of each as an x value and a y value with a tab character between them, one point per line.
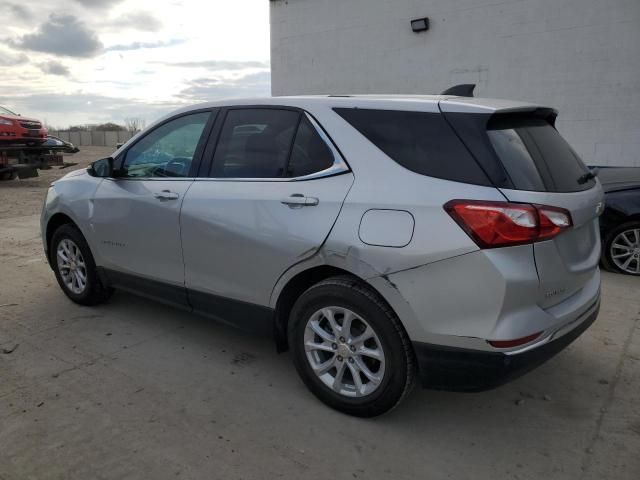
342	339
353	349
350	360
334	346
340	358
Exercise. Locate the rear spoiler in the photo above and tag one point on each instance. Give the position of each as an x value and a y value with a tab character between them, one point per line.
548	114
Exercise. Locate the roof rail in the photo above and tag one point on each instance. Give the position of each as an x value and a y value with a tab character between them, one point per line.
463	90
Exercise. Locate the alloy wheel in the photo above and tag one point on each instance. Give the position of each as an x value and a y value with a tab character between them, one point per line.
72	266
625	251
344	352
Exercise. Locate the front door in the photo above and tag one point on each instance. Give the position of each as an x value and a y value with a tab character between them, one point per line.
136	216
275	189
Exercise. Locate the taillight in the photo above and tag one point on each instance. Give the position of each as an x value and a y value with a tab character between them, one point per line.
501	224
553	220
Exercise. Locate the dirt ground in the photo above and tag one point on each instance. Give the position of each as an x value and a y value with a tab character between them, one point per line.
137	390
25	197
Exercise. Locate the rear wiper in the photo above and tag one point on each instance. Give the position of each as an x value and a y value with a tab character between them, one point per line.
590	175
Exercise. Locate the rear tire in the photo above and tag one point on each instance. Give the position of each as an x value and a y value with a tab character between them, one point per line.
362	368
75	268
620	245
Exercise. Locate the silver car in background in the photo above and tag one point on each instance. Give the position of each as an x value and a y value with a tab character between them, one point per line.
381	239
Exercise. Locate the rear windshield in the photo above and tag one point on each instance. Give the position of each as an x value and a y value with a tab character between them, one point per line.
422	142
535	155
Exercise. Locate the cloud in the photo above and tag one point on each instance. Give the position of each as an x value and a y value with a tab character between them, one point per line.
204	89
141	45
137	20
19	12
8	59
53	67
98	4
66	109
217	64
62	35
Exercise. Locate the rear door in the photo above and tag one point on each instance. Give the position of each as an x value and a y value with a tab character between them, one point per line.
540	167
269	200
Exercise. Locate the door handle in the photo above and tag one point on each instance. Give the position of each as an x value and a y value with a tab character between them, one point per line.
297	200
166	195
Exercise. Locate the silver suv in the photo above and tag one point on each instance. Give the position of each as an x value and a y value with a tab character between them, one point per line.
380	239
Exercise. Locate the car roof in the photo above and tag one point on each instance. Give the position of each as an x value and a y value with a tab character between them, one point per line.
446	103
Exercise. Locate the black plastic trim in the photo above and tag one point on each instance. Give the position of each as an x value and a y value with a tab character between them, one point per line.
256	319
249	317
463	370
161	291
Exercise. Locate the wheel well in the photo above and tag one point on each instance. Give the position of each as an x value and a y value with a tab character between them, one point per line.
56	222
292	291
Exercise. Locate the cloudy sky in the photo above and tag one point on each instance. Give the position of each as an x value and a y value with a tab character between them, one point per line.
92	61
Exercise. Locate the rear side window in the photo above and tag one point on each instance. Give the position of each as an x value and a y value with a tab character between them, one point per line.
255	143
535	155
421	142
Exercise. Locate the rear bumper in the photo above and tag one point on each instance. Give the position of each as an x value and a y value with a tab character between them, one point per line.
459	369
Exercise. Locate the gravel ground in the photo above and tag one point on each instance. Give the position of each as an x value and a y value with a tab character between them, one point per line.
137	390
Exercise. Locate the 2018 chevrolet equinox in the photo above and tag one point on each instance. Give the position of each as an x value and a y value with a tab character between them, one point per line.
382	239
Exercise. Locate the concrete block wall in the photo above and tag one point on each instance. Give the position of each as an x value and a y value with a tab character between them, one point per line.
96	139
580	56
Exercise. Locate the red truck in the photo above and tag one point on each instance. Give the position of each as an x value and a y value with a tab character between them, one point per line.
15	129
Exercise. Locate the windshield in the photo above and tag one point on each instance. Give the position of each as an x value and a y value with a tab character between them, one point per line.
6	111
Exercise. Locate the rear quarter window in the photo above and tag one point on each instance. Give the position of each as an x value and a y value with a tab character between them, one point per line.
535	155
419	141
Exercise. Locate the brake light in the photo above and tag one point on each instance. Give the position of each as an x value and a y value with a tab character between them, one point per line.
502	224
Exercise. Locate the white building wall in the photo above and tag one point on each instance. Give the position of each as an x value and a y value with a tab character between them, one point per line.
580	56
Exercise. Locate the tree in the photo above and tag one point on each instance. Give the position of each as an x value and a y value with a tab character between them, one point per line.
134	124
109	126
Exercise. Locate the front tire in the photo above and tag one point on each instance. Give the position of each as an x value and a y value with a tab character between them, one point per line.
350	349
75	267
621	252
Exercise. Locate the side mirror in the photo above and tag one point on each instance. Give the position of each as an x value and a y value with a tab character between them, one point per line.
102	168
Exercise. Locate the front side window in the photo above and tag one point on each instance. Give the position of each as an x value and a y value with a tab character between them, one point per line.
168	150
